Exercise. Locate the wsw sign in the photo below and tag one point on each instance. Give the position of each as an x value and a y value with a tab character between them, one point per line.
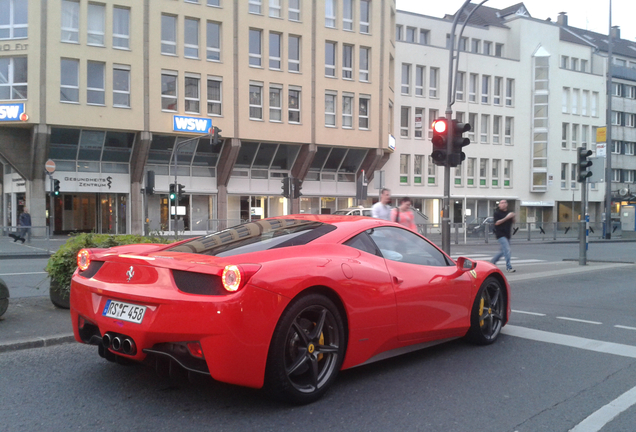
11	112
191	124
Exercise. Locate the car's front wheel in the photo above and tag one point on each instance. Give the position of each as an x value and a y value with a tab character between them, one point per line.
307	350
487	315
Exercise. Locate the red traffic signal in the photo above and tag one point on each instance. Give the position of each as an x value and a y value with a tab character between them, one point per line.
440	140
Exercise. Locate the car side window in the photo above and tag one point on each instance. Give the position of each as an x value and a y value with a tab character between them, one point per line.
397	244
366	213
364	243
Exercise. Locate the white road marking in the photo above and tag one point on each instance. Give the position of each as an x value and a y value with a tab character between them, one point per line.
528	313
20	274
579	320
625	327
597	420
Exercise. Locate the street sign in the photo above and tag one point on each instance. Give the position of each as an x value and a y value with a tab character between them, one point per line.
50	166
601	135
601	149
598	170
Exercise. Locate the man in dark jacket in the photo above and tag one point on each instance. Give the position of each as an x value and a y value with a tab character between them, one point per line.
503	225
25	223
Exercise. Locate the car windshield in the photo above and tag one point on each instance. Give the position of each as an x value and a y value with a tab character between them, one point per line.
256	236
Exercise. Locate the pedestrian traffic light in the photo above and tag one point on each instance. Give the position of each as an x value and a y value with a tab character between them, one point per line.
459	141
180	191
583	164
297	187
173	191
286	187
440	140
56	187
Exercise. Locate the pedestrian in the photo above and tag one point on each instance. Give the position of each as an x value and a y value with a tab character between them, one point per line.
25	223
403	214
382	209
503	226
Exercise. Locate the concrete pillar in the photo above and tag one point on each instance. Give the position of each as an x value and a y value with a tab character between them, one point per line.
35	186
137	164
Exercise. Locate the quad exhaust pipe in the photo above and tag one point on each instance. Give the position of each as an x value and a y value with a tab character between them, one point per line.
120	343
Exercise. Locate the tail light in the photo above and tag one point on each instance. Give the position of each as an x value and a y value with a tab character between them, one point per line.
83	259
195	349
236	276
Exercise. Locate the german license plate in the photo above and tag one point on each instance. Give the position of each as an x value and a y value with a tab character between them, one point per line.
124	311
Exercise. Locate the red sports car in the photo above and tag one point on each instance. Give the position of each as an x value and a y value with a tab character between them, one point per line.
284	302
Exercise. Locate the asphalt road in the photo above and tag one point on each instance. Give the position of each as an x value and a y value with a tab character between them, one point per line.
519	384
25	277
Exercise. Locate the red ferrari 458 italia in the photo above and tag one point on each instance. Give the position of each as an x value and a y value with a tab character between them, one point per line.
284	302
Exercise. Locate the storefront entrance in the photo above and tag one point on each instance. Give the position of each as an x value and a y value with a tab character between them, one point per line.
91	212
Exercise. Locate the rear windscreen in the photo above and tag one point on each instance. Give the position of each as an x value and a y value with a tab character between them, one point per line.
255	237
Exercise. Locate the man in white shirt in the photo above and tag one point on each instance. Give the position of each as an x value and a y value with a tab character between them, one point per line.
382	209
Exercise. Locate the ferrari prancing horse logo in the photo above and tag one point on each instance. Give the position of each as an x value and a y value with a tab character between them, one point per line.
130	273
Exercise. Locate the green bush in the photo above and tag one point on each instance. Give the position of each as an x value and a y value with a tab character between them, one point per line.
63	263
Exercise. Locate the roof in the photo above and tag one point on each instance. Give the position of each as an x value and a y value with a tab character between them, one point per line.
579	36
486	16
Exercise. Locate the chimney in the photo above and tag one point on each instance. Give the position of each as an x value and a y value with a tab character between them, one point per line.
616	32
563	18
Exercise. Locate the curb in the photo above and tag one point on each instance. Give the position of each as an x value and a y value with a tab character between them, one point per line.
26	255
39	342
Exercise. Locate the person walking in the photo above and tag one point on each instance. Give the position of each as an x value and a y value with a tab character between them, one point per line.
503	226
25	223
403	214
382	209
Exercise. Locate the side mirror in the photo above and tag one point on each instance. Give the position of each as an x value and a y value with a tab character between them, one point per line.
465	264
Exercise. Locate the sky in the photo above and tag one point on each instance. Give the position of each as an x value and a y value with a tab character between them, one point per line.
591	15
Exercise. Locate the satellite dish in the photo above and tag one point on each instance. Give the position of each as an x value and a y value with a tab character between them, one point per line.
623	192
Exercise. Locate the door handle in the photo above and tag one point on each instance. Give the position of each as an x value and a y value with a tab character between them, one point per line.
397	280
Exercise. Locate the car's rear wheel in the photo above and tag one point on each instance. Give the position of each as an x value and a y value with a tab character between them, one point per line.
306	351
487	315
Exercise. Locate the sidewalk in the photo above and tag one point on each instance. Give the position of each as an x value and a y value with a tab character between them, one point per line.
38	247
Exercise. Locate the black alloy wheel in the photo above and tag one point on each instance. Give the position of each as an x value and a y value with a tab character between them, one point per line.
487	315
307	350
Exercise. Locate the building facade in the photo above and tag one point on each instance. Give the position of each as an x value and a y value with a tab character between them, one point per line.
112	90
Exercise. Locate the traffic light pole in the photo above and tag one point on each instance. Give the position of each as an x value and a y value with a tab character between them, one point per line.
583	225
51	205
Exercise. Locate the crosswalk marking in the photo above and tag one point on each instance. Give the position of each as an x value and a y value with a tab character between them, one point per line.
488	257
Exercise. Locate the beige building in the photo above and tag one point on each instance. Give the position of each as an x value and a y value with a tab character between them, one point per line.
108	90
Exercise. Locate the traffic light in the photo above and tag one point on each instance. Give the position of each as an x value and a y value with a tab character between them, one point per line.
297	186
150	183
216	137
440	140
180	192
459	141
56	187
286	187
583	164
173	191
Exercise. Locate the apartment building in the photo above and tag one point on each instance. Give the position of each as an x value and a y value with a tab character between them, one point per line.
111	90
528	112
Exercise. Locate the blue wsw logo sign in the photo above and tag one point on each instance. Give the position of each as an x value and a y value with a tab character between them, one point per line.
191	124
11	112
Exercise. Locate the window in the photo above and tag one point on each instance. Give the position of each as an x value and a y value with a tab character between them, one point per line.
293	106
293	64
628	176
14	22
347	111
575	101
169	91
584	99
215	94
364	64
617	90
483	172
424	37
192	94
616	147
69	83
347	15
121	27
405	115
95	94
347	61
510	92
583	65
70	21
410	34
432	83
470	171
363	112
459	86
330	109
404	168
275	103
565	131
509	130
487	48
474	46
13	78
616	118
629	148
365	16
191	38
213	41
168	34
496	129
630	120
121	86
616	176
216	3
564	176
330	59
419	80
485	123
274	50
255	47
275	10
406	79
573	175
294	10
256	102
463	44
432	172
594	101
630	92
330	13
575	136
96	24
585	130
575	64
419	116
494	179
472	88
498	50
507	174
472	121
255	7
418	169
565	100
485	89
398	32
433	114
496	99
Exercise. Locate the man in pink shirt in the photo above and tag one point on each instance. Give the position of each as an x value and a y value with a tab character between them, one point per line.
403	214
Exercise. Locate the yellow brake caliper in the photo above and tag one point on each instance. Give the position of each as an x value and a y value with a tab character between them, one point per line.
321	341
481	311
